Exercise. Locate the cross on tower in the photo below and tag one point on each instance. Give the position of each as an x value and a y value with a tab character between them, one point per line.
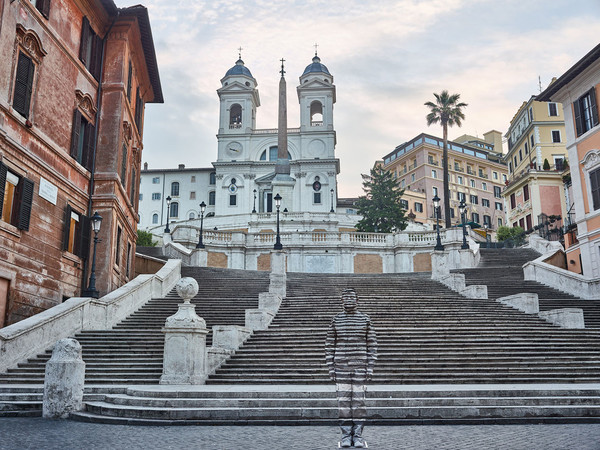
240	52
282	71
316	45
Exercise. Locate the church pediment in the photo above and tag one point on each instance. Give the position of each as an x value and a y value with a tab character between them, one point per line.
315	84
235	86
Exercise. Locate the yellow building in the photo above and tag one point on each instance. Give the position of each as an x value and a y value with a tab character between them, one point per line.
536	161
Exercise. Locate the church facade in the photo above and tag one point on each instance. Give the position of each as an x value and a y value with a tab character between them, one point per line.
244	179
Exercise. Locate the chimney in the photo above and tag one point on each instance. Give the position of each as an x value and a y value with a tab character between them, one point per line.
181	166
145	166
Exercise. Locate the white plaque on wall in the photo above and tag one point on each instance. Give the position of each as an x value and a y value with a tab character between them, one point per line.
48	191
320	264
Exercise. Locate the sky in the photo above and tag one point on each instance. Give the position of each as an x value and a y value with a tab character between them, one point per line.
387	59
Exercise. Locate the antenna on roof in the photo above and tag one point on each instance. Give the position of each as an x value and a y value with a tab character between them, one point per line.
540	83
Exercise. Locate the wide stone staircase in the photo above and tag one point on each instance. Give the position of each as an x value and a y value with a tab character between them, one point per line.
132	352
501	270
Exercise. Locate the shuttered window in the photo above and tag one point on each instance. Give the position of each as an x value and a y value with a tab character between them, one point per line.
139	108
123	164
16	198
43	6
82	140
90	49
586	112
23	85
76	233
129	79
595	185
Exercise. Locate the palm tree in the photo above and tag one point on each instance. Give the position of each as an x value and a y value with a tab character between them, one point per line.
447	111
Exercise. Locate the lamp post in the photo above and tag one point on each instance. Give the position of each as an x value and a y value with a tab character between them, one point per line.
331	210
436	205
91	290
277	245
462	207
200	244
254	207
486	226
168	214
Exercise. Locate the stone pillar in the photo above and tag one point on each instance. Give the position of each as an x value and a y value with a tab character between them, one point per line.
440	264
184	359
199	257
277	277
63	380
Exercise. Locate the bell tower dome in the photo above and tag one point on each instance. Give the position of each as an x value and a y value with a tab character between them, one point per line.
316	94
239	99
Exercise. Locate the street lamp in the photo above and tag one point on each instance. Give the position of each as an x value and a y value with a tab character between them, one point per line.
331	210
168	214
462	207
254	207
277	245
202	209
436	206
91	290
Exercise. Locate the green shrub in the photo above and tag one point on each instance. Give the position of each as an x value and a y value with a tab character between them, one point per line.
144	239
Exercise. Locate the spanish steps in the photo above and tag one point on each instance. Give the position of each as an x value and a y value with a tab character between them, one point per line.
466	359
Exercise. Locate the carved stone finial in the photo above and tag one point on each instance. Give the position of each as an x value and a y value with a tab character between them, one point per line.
187	288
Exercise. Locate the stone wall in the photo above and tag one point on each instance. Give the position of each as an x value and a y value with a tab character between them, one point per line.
368	263
422	262
217	259
263	262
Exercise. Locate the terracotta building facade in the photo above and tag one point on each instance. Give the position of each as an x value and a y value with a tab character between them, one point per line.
578	89
72	98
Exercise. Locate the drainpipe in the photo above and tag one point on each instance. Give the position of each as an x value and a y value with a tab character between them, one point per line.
98	112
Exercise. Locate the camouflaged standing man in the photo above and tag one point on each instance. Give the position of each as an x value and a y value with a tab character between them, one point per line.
351	351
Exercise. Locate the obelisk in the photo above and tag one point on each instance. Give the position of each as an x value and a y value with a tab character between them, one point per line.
283	183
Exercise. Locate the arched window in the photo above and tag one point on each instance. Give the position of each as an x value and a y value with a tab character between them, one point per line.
175	189
211	198
192	215
235	116
316	114
174	210
213	178
155	218
272	154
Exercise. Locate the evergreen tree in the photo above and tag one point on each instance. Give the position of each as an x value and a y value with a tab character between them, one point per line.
380	206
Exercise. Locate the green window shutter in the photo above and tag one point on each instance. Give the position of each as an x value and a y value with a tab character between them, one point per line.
96	58
23	85
83	245
26	203
87	158
85	39
592	94
75	133
43	6
123	164
67	227
129	79
578	119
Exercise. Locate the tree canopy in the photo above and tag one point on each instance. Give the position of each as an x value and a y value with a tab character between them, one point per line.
144	239
380	206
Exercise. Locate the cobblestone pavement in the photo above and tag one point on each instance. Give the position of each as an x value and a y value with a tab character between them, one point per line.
37	433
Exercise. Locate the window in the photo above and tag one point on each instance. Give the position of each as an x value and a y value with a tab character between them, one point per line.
520	156
472	183
510	167
481	174
513	201
586	112
129	79
232	200
485	203
404	204
528	222
192	216
128	259
317	197
156	196
435	191
141	197
461	197
193	180
552	109
23	85
123	163
497	192
118	246
595	188
499	221
525	193
475	217
76	234
139	109
42	6
474	199
495	175
504	178
430	159
193	195
174	189
174	212
16	195
515	160
555	135
433	173
452	213
211	198
156	180
235	116
498	206
90	49
418	207
316	114
82	140
213	178
132	185
412	177
532	141
530	114
460	179
484	186
526	147
154	218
